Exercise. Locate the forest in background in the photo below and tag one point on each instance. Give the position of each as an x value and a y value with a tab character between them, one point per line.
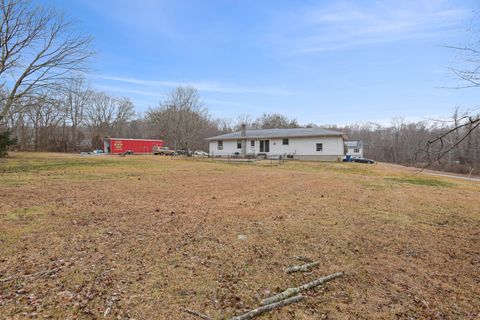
80	118
46	104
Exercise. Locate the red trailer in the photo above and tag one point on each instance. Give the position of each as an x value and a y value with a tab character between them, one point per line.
119	145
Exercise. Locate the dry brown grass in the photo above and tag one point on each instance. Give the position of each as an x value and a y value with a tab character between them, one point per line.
159	234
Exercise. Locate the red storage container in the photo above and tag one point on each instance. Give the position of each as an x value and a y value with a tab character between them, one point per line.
119	145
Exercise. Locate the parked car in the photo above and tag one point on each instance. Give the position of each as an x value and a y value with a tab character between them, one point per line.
200	153
183	152
363	160
164	151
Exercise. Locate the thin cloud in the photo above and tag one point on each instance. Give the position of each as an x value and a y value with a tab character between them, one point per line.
126	90
202	86
345	25
232	105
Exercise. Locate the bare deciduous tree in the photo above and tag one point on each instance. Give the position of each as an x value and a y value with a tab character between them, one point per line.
457	135
181	119
468	71
44	113
77	98
275	120
38	48
106	116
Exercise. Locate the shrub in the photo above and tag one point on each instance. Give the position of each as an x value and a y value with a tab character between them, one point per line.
5	142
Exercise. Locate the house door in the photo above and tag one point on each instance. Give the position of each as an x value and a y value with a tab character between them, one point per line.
264	145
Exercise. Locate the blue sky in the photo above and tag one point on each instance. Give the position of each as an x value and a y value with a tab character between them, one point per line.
327	62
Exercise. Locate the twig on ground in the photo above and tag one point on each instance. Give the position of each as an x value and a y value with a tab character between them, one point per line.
7	279
258	311
197	314
40	273
110	302
302	268
292	291
303	258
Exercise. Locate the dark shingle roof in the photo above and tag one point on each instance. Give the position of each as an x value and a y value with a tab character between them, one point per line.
279	133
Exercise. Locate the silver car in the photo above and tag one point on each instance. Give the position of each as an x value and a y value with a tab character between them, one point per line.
200	153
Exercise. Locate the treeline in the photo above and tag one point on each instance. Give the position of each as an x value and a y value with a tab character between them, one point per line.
448	144
64	117
76	118
46	104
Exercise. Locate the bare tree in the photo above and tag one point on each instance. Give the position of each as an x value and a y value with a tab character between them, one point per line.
245	119
38	48
45	114
101	113
224	125
77	98
457	135
468	71
454	144
106	115
275	120
125	112
181	119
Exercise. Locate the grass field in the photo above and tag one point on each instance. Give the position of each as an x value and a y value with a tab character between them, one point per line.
141	237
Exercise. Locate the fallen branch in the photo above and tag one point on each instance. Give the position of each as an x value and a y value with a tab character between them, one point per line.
293	291
302	268
197	314
40	273
7	279
303	258
110	302
258	311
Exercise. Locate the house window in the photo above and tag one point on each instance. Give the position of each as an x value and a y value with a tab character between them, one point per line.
239	144
252	143
356	150
220	145
319	146
285	142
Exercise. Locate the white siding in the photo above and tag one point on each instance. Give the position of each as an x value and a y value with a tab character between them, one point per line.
351	152
229	148
332	146
307	146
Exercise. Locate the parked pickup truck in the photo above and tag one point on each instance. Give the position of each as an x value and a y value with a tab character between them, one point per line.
163	151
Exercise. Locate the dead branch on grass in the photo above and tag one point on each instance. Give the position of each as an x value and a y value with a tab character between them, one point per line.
302	268
110	301
258	311
36	274
197	314
292	291
303	259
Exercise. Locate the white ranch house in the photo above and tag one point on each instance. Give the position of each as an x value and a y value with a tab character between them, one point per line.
299	143
354	148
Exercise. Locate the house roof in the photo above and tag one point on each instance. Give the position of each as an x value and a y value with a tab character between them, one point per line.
354	143
279	133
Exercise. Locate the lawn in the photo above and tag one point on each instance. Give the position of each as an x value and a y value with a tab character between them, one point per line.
141	237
